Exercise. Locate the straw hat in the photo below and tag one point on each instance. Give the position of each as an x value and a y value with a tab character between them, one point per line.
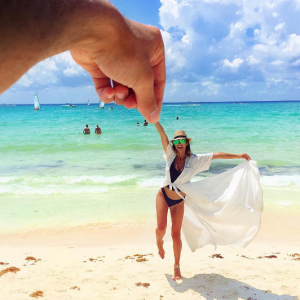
180	134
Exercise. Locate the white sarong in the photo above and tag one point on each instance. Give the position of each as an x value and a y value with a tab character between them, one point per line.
224	209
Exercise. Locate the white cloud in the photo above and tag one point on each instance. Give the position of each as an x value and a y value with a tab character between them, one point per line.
175	85
277	63
211	88
292	46
234	64
261	48
279	26
71	71
296	63
52	71
185	39
230	41
252	60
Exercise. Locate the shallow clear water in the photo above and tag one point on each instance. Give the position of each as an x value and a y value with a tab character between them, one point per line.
52	174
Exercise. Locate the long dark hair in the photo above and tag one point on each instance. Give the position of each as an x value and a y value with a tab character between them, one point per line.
188	151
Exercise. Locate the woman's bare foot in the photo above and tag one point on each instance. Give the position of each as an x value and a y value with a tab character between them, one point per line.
161	250
177	273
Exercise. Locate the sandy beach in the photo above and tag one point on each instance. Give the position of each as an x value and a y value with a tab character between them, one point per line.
122	263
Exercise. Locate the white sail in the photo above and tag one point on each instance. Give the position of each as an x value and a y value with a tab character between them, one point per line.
88	102
101	105
36	102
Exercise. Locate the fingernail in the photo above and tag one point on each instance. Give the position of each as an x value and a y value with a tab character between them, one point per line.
121	96
154	116
110	96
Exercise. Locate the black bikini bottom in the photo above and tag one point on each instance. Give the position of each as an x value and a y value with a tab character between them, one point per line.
169	201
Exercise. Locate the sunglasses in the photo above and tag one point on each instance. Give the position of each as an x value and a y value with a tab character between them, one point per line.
182	141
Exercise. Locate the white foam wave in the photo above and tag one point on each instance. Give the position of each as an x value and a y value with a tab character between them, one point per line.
43	180
152	182
100	179
8	179
280	180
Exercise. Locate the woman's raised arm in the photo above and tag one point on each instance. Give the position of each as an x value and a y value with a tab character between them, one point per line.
222	155
163	136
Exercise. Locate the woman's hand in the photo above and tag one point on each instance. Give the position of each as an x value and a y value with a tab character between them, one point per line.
245	156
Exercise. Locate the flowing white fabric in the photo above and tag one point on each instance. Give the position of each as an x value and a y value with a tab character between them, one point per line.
224	209
221	210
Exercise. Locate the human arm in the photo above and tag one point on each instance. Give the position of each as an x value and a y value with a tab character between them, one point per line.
163	136
100	39
222	155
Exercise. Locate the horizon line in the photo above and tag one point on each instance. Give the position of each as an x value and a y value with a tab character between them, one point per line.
167	102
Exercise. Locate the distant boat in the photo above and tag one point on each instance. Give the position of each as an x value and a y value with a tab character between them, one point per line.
68	106
111	108
101	105
36	102
88	104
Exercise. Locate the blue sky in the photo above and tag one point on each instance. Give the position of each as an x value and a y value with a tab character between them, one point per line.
216	50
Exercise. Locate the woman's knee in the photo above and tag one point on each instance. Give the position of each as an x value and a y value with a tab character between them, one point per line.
161	226
176	235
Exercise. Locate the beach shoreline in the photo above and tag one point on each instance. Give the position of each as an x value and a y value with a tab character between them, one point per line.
278	226
119	263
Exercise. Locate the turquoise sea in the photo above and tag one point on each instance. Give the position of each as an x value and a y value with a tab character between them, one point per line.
51	175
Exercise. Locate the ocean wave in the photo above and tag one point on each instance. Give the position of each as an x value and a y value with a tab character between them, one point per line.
8	179
150	182
71	180
280	180
100	179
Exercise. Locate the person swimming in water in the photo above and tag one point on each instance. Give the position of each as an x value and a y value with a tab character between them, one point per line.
98	129
86	130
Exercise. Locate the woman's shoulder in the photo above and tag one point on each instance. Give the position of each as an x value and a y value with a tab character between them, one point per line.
200	156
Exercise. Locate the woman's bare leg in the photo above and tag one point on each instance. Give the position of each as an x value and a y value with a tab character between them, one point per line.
177	212
161	213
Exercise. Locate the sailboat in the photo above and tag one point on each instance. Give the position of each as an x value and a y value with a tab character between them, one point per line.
88	104
36	102
101	105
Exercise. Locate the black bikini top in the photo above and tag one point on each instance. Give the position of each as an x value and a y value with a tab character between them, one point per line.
174	174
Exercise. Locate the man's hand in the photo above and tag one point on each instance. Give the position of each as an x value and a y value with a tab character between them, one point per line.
134	59
100	39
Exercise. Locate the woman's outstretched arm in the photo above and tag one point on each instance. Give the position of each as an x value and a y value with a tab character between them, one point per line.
163	136
222	155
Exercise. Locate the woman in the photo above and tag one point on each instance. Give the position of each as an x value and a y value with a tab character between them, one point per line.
98	129
182	165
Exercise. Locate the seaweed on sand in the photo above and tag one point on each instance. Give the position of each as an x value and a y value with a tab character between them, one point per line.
9	270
